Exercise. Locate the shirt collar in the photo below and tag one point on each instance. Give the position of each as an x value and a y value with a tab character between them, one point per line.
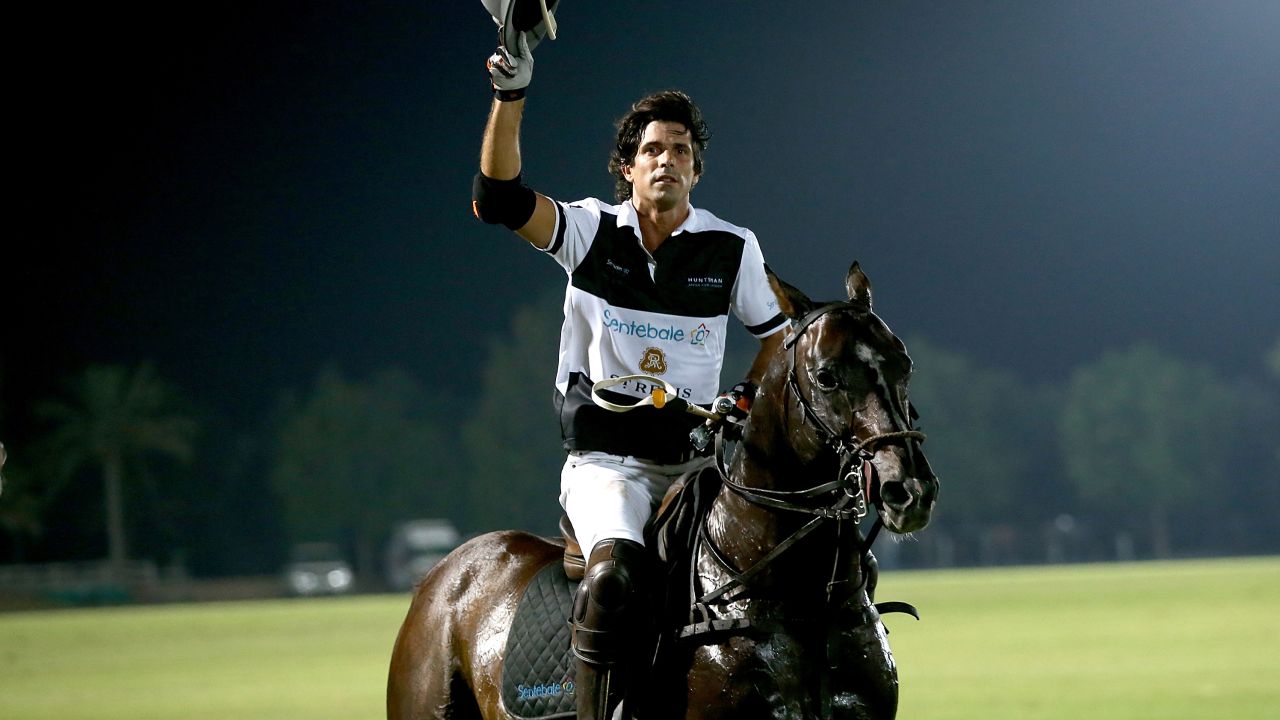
627	217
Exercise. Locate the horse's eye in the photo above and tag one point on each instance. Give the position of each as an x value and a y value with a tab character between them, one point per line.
826	380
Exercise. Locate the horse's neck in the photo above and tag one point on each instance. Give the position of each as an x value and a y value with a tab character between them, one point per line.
770	458
764	434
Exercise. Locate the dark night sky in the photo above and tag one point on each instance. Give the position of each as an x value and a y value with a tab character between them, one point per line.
243	193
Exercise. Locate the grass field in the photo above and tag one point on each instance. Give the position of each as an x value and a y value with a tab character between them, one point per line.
1150	640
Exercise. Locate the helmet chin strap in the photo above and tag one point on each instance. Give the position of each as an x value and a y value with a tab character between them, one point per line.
549	19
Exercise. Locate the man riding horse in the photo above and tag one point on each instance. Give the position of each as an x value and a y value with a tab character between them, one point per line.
651	282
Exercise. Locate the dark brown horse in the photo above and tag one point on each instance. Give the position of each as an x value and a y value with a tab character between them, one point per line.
782	623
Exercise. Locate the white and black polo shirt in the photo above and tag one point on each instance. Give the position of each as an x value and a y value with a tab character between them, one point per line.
663	314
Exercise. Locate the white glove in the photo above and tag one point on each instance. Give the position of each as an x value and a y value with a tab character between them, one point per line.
509	72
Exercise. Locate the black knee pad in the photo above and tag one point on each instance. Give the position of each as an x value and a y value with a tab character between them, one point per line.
610	603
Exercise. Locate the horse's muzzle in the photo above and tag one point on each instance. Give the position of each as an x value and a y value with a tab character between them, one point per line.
906	503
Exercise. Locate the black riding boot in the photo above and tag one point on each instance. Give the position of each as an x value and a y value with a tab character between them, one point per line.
607	612
591	687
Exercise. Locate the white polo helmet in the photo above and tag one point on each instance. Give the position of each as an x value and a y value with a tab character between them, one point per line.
535	17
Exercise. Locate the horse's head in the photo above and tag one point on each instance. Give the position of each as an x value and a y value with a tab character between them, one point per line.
846	377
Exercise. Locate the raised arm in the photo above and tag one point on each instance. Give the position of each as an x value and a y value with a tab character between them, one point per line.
498	195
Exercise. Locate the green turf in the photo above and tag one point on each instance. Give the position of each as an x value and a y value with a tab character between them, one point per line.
1166	641
1150	640
303	659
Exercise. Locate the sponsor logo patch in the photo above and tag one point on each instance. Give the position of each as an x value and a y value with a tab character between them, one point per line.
645	388
699	335
541	690
615	324
708	282
653	362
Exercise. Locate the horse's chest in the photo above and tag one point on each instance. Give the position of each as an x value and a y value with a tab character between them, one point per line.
846	674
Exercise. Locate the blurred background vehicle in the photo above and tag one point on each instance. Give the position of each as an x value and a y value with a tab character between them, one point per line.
318	568
415	547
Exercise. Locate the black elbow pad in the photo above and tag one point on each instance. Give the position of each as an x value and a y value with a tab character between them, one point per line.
509	202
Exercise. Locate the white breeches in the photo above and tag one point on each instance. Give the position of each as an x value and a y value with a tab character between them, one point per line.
611	496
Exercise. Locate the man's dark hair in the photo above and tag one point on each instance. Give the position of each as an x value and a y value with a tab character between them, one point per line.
668	106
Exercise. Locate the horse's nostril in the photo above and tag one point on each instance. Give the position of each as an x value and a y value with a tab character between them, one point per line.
895	494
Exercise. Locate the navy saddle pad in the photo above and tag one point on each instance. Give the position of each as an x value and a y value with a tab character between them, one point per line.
537	673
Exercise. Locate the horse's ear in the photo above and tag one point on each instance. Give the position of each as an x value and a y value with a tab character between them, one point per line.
793	303
858	287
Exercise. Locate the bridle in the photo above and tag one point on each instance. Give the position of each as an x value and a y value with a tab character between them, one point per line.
854	475
841	442
848	492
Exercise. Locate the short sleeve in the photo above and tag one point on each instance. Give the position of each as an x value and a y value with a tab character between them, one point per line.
754	303
576	226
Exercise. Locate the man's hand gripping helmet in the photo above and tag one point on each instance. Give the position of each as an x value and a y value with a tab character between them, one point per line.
535	18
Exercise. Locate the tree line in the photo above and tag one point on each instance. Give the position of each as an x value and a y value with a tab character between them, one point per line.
1136	449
